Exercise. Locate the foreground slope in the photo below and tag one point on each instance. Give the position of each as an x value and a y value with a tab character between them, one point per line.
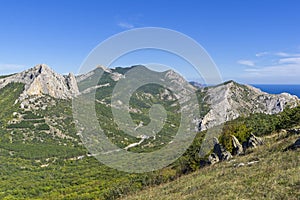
266	173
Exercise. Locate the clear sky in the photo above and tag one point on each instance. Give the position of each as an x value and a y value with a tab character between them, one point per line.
251	41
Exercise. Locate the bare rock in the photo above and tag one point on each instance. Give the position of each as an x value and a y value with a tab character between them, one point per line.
220	151
72	84
230	100
237	147
254	141
239	165
294	146
295	131
213	159
243	164
40	80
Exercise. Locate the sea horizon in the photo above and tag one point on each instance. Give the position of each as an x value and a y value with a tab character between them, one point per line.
293	89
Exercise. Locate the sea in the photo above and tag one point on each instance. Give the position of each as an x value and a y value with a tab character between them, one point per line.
277	89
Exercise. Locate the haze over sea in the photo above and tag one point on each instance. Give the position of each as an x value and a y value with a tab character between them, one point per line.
277	89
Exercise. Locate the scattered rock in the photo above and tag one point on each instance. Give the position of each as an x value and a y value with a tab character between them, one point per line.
44	165
237	147
243	164
252	162
239	165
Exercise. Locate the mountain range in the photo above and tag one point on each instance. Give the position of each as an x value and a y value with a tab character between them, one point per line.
219	103
41	148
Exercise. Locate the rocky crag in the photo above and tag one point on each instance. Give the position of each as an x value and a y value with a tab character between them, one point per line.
40	80
231	100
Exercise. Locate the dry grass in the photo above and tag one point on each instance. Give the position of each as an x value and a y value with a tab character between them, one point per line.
275	176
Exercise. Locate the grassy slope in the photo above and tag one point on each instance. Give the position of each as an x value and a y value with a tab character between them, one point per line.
275	176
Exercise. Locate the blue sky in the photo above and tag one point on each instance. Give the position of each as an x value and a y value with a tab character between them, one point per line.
255	41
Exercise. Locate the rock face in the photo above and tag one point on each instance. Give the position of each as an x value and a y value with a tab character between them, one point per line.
43	80
230	100
237	147
219	153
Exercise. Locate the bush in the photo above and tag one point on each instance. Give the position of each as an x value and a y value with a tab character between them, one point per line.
22	124
43	127
238	129
31	115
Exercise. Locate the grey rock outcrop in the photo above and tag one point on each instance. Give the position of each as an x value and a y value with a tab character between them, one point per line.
41	80
294	131
237	147
294	146
72	84
219	153
213	159
230	100
254	141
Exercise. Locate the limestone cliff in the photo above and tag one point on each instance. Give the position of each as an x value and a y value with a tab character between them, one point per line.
231	100
43	80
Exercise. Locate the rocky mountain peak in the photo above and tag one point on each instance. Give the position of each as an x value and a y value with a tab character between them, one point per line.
41	69
106	69
41	79
230	100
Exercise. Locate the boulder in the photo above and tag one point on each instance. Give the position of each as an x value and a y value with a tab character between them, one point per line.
295	131
220	151
254	141
237	147
213	158
226	155
294	146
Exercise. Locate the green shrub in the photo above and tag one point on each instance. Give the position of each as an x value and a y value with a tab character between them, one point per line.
42	127
22	124
31	115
